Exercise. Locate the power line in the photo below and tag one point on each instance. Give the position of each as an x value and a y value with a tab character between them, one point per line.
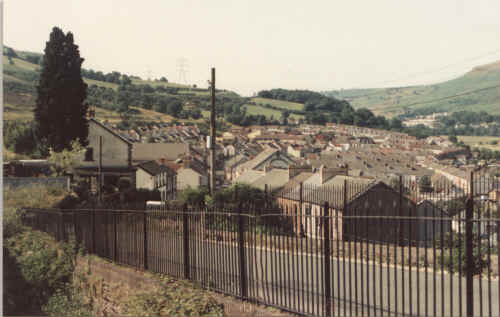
449	97
410	76
441	68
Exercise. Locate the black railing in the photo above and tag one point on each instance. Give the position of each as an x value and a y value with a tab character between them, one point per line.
349	249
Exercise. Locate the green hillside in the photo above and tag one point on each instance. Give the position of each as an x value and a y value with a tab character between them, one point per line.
20	79
397	100
287	105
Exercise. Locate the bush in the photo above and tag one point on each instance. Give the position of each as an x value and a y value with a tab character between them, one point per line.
12	223
457	259
19	137
70	201
67	302
193	196
42	265
32	197
177	298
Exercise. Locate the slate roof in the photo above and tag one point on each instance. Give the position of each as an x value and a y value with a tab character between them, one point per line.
153	168
154	151
248	177
274	179
102	125
261	157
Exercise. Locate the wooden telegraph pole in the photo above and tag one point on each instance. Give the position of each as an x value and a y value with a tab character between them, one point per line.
211	143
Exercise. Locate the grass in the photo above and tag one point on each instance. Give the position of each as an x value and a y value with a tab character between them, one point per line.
100	83
480	141
393	101
157	83
276	114
18	63
32	197
279	103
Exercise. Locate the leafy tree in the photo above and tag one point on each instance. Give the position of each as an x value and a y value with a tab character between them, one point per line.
10	52
425	184
126	80
60	112
284	117
65	160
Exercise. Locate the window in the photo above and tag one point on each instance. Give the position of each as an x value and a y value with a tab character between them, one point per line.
89	155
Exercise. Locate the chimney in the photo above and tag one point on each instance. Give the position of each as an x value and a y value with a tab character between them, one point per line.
91	112
267	169
293	171
326	174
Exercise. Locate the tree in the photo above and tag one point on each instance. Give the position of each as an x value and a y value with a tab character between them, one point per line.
284	117
425	184
64	161
11	52
60	113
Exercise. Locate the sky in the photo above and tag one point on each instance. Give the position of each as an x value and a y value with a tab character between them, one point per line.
261	44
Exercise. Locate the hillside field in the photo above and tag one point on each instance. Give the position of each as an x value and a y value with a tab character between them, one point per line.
481	141
276	114
397	100
279	103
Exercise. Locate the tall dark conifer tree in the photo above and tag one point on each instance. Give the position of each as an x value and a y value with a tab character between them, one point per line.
60	113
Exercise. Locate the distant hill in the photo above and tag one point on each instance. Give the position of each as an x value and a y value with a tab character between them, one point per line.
398	100
21	71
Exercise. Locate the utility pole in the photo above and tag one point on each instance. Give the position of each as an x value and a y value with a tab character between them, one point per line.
211	143
100	182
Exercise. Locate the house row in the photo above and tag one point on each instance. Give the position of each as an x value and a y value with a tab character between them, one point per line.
167	167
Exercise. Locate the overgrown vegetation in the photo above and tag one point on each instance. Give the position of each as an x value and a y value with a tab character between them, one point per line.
454	256
174	298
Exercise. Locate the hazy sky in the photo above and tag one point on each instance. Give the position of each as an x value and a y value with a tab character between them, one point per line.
254	45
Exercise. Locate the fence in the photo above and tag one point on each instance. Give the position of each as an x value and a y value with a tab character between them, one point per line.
352	249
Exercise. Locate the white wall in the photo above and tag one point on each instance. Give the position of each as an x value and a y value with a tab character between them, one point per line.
144	180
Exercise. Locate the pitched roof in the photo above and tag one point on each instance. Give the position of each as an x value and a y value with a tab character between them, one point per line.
110	130
274	179
256	161
248	177
153	168
154	151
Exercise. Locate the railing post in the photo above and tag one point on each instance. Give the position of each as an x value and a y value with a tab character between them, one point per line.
344	213
60	227
326	257
93	232
400	211
241	247
185	232
145	231
469	214
115	238
74	226
300	213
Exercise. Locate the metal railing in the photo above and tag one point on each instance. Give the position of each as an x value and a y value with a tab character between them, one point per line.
370	249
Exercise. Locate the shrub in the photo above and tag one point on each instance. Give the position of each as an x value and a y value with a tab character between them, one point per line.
67	302
457	259
177	298
12	223
32	197
41	264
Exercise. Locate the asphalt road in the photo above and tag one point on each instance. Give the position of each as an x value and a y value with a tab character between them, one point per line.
295	280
